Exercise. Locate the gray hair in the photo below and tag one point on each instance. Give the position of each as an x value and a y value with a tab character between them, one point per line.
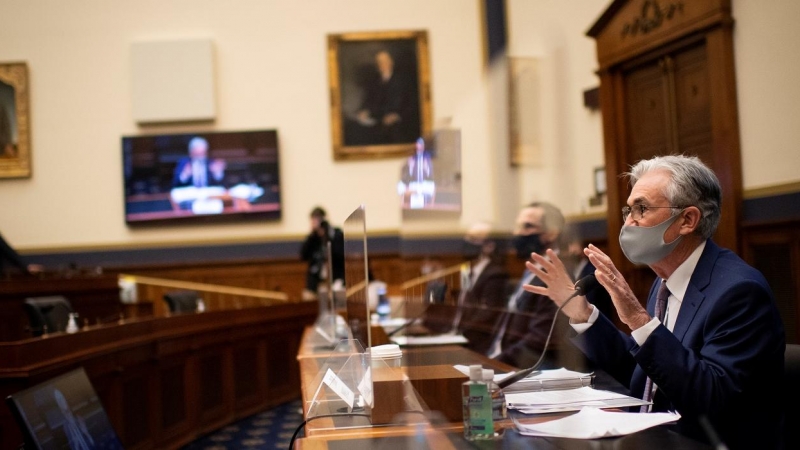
692	183
197	140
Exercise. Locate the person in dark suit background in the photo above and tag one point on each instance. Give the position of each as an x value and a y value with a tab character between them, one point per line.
10	259
196	169
315	252
718	352
388	113
523	331
483	297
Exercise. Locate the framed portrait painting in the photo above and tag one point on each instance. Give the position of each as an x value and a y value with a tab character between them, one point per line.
380	93
15	151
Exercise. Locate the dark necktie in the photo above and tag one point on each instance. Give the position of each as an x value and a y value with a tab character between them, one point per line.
661	307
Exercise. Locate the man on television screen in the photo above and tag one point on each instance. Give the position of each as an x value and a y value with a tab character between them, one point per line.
196	169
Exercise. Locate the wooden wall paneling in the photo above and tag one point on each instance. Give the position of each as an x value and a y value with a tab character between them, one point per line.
249	368
283	374
138	404
774	249
215	391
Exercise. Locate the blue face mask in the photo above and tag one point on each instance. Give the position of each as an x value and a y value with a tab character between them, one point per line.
645	245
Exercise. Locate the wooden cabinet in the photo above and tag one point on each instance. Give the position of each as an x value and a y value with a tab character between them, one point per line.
668	87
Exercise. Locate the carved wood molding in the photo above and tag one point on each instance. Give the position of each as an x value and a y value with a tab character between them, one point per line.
653	16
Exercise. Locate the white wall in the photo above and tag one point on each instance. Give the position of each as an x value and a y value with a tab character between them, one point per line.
768	88
271	72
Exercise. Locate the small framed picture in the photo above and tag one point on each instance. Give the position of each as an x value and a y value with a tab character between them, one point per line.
15	150
599	181
380	93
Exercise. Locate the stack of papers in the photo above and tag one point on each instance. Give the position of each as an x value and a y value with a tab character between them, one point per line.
548	401
591	423
440	339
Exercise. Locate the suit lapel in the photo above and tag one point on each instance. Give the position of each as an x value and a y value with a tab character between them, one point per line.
694	291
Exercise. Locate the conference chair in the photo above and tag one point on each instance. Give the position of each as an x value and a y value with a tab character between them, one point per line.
181	301
792	386
47	314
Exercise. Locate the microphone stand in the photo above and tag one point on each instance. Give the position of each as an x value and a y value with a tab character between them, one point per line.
412	320
582	287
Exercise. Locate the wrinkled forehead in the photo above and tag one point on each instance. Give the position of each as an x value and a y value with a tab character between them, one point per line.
651	188
529	220
478	233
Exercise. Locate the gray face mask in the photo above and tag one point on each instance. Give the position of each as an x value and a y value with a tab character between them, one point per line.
645	245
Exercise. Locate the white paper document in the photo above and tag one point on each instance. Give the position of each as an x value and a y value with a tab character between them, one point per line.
440	339
591	423
547	401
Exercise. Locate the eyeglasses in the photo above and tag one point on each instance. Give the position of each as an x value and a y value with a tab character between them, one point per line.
639	209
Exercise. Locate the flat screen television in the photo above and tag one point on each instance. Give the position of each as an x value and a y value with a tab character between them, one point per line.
201	176
64	412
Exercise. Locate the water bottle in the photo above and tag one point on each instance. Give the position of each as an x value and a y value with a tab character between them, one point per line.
383	309
478	423
499	411
72	323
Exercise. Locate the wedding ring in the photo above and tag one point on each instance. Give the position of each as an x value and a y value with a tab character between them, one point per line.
613	278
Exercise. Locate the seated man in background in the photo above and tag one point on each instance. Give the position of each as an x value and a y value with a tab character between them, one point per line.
523	331
483	295
710	344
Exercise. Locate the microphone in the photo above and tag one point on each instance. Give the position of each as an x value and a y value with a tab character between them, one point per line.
582	287
413	319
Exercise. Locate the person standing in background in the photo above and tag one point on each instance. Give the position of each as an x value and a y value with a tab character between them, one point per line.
482	301
315	252
524	329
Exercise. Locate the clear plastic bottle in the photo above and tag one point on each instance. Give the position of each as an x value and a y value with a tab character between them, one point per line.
72	323
384	309
478	424
499	411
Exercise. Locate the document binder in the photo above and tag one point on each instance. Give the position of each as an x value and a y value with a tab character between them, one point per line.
551	379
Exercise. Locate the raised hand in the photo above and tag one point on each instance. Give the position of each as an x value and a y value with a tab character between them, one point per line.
630	311
559	286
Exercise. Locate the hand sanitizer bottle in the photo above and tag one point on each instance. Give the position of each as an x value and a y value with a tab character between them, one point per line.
499	411
72	324
477	404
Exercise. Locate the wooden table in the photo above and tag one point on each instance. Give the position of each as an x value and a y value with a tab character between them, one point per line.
431	432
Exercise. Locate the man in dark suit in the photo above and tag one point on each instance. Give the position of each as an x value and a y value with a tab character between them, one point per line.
483	296
389	112
196	169
715	351
522	333
314	251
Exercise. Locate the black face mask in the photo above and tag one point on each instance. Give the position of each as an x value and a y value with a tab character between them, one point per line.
470	250
527	244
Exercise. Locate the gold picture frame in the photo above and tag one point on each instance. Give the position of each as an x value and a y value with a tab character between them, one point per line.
380	93
15	149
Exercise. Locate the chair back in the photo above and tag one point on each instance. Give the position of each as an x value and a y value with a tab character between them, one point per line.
791	373
51	312
181	301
